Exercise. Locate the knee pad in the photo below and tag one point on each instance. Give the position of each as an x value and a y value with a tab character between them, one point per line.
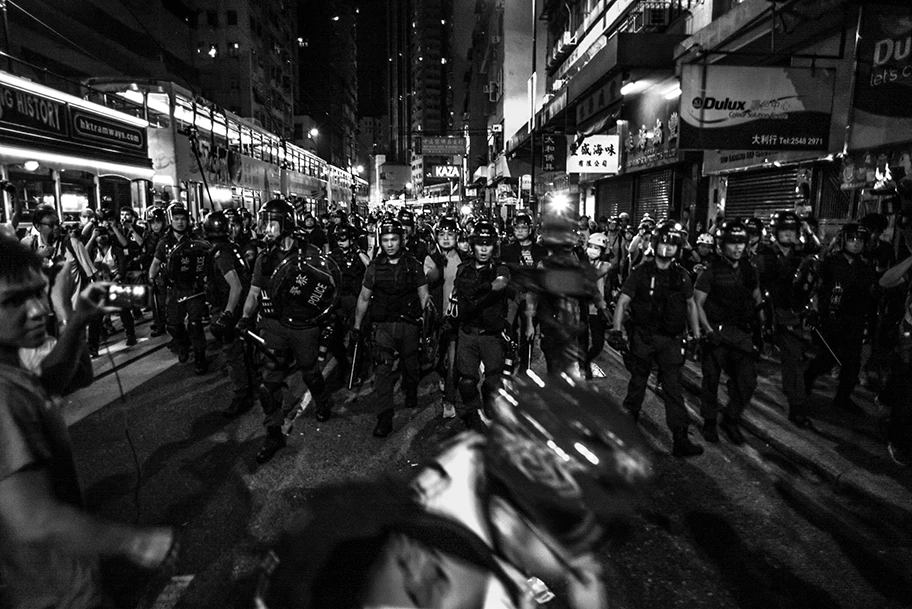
468	388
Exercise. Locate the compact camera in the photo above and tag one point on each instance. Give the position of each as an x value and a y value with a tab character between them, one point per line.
128	296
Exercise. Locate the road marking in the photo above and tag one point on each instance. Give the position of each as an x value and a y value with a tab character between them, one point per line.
172	593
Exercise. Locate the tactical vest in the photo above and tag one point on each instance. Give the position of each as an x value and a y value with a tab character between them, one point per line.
731	300
217	288
663	308
395	293
487	312
352	269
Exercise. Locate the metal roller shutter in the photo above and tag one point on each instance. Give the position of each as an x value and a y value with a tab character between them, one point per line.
761	192
613	196
653	194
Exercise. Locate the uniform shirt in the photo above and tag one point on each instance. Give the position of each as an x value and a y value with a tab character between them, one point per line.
168	241
526	255
855	278
352	269
33	434
777	274
226	257
729	292
479	306
658	297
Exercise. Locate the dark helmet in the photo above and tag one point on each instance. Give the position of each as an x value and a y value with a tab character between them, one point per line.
668	232
571	471
754	226
523	218
852	229
177	209
281	211
732	231
484	232
785	220
406	218
344	232
390	226
156	214
448	223
216	225
244	214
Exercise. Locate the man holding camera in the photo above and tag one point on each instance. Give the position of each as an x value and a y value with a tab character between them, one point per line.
49	545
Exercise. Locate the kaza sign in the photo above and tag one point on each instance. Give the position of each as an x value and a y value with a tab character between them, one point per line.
446	172
754	108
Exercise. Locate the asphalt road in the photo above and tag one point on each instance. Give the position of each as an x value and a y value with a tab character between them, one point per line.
736	527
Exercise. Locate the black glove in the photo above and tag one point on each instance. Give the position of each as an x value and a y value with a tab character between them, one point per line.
712	339
225	321
617	341
355	335
244	324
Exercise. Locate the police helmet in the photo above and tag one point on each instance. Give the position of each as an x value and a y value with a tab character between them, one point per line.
754	227
668	232
598	240
523	218
484	233
571	471
390	226
406	218
785	220
732	231
448	223
177	209
853	229
344	232
156	214
281	211
216	225
705	239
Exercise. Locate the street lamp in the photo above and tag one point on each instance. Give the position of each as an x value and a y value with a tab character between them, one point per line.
314	132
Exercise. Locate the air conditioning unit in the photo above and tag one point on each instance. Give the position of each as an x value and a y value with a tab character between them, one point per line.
656	17
636	24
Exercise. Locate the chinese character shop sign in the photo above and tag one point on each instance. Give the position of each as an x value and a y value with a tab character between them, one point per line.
554	152
753	108
594	154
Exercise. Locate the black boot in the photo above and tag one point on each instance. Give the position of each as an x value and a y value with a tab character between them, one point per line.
731	429
411	399
183	353
384	424
239	405
844	401
131	339
683	447
275	441
710	431
200	365
324	411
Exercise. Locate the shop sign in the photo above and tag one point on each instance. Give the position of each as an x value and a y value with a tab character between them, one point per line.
876	168
94	128
596	102
594	154
883	85
755	108
554	152
554	107
442	146
717	161
34	113
446	172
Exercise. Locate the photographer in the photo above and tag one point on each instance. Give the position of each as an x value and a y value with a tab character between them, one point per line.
49	545
111	261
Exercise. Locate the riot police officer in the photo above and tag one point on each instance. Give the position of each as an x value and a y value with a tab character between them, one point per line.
243	236
845	301
411	242
479	291
778	263
441	274
727	294
228	279
395	288
295	288
524	251
155	230
659	295
184	261
352	263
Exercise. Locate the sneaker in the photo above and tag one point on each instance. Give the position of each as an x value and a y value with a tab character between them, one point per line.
899	455
449	410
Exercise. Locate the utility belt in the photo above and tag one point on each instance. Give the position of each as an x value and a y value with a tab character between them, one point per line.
480	331
399	319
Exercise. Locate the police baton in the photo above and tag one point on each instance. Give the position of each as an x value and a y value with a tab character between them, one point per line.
827	345
258	342
355	364
191	297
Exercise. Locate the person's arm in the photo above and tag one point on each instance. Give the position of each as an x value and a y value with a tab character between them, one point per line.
431	272
154	268
423	295
252	301
895	275
137	235
364	299
120	236
620	308
699	299
365	259
32	515
693	316
235	288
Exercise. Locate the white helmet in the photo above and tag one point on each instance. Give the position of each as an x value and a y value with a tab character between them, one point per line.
599	239
705	239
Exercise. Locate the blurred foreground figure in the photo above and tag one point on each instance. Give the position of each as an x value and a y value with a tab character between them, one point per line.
49	546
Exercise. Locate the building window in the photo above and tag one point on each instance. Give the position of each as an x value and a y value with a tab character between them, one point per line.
234	49
212	18
232	18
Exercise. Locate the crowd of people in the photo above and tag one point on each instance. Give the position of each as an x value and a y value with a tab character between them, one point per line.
393	297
